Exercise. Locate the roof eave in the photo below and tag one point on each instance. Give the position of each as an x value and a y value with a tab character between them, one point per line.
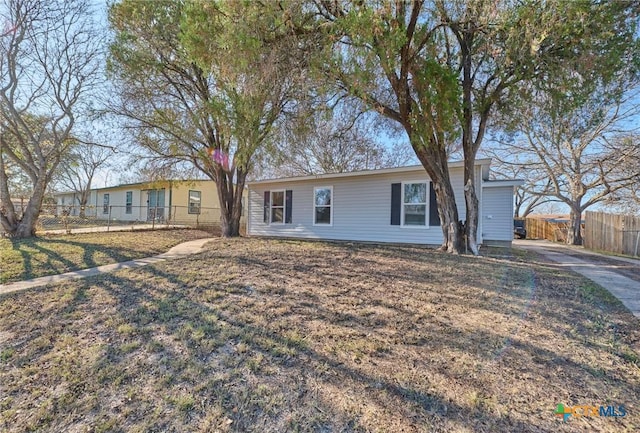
484	162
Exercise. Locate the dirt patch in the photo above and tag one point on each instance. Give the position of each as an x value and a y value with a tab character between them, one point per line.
275	336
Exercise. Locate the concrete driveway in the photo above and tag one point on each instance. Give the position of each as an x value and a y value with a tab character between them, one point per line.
619	275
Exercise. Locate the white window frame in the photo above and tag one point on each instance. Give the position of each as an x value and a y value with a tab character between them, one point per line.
106	204
196	208
284	207
128	206
313	217
426	208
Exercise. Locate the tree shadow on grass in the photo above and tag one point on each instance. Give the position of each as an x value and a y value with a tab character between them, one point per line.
292	356
234	347
296	358
55	263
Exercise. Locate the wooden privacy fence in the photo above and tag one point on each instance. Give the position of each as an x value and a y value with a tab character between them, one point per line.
538	228
610	232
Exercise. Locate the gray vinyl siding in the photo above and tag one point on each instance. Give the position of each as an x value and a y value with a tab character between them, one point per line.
361	209
497	213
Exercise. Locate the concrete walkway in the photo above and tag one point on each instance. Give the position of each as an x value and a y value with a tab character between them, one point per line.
180	250
591	265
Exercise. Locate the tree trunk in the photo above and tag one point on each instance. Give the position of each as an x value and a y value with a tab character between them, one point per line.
8	217
574	234
471	200
230	199
25	227
469	144
84	199
434	161
448	212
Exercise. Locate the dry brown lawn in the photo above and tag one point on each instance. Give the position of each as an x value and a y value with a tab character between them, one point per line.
285	336
22	259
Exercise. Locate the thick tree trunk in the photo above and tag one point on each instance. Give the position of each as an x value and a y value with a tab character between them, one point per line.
574	234
435	163
230	199
471	200
8	217
84	199
25	226
448	212
469	144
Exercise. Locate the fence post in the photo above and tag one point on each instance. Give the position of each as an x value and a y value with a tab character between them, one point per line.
109	219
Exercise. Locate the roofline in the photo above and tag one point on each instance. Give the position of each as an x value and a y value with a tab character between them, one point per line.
502	182
453	164
149	182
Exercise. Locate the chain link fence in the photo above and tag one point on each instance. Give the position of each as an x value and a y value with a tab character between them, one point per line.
67	219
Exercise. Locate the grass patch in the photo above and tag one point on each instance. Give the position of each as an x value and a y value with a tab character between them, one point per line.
24	259
277	336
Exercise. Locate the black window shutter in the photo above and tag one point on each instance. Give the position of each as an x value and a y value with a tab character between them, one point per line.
267	205
396	196
288	205
434	216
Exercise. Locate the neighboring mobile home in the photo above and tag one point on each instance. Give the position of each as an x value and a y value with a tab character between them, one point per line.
179	201
388	205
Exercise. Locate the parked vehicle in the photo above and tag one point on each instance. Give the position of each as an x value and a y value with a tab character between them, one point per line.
519	230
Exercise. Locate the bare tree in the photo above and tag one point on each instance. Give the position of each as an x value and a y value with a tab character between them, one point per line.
535	192
78	169
627	199
336	139
582	155
48	62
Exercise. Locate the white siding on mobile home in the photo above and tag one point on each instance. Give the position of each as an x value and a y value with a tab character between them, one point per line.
497	211
361	207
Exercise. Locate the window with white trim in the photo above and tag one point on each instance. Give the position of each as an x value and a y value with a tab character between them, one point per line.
194	201
322	205
129	202
414	204
277	207
105	203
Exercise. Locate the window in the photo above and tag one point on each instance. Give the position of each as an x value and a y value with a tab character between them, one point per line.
194	201
105	203
129	202
322	205
414	204
277	207
278	204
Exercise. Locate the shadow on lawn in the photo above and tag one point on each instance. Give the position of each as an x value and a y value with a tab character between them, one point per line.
285	345
292	356
56	263
177	302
